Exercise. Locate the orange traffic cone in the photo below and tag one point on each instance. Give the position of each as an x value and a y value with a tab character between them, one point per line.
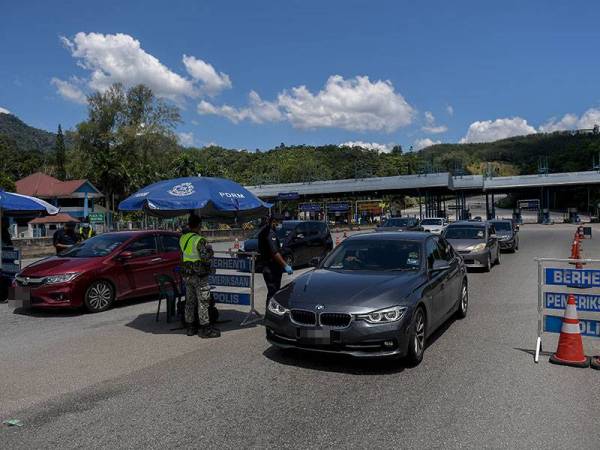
236	244
570	344
575	253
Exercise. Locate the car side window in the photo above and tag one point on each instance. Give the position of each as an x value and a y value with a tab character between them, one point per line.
170	243
432	251
444	250
144	246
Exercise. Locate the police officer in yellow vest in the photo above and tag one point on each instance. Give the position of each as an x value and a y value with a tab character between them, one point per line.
195	270
85	230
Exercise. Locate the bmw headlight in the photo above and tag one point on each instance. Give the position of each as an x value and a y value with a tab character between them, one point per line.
276	308
387	315
62	278
478	247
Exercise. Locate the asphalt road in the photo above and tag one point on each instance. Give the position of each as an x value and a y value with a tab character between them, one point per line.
120	380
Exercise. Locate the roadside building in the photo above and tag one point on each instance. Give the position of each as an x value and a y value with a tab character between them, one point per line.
46	226
75	198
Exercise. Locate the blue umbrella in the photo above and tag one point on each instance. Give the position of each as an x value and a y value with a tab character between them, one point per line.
206	196
17	204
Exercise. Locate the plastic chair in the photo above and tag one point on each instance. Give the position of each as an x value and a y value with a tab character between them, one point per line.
168	291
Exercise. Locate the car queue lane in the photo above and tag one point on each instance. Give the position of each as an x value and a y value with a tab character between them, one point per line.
476	387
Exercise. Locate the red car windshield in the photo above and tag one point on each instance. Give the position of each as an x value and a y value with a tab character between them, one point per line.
95	247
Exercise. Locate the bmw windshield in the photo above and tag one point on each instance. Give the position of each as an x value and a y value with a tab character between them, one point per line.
371	255
95	247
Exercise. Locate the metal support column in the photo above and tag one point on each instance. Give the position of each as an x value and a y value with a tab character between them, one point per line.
487	206
493	207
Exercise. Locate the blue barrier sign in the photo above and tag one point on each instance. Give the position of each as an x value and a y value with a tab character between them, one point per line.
338	207
582	278
10	255
10	268
558	300
241	264
587	327
288	196
231	298
242	281
309	207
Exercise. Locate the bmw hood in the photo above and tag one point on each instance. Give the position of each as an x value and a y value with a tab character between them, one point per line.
349	291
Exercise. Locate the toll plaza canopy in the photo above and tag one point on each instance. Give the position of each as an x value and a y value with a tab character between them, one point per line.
427	182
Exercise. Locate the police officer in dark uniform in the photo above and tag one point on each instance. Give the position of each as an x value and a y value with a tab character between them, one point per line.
270	257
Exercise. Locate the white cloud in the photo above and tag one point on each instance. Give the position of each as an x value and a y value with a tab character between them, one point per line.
119	58
186	139
356	104
422	143
213	82
4	111
258	110
382	148
570	121
69	90
450	110
488	131
430	125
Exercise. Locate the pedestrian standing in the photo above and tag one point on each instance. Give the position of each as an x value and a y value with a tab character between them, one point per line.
86	231
195	269
65	238
270	257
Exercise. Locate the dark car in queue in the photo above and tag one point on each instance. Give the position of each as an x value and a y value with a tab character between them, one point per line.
101	270
400	224
508	234
301	241
375	295
475	242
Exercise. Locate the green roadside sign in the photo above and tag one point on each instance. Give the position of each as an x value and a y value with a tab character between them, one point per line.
96	217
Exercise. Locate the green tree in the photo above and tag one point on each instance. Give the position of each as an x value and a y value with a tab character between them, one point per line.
60	154
127	139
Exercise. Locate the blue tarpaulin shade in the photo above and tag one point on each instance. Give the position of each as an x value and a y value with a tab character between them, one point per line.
17	204
206	196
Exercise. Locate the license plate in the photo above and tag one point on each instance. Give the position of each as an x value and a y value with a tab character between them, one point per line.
19	297
317	336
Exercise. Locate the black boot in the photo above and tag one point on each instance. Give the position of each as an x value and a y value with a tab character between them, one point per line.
207	332
191	330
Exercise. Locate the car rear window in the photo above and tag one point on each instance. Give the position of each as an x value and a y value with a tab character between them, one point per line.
465	232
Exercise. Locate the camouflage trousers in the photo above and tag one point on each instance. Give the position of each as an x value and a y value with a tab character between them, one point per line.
197	295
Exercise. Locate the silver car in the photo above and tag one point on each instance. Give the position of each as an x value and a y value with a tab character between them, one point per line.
476	242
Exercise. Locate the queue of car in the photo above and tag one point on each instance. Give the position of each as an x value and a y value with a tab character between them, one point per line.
375	294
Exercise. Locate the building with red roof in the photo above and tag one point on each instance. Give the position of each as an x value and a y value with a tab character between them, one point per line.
75	198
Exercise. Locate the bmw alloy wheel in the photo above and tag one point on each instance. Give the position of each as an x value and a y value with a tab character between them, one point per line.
99	296
419	341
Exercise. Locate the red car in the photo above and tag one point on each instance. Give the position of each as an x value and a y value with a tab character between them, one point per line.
97	272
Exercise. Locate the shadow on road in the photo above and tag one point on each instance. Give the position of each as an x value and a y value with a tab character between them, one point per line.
335	363
229	320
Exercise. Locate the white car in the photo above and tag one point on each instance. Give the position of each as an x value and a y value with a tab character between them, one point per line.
434	225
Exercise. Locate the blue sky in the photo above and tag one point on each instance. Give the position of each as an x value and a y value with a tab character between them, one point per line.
259	73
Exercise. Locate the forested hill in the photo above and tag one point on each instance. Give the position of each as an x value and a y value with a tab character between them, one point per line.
565	152
25	137
24	149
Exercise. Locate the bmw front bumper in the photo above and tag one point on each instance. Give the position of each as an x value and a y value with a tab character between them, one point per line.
359	339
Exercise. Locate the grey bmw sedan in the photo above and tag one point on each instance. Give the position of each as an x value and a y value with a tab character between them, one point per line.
375	295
